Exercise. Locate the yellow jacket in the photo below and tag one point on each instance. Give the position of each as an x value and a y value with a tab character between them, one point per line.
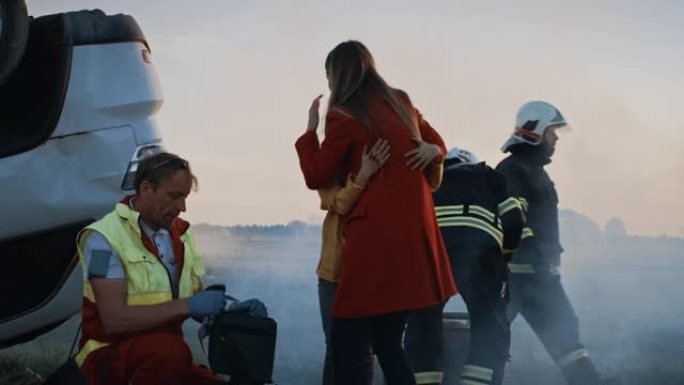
337	201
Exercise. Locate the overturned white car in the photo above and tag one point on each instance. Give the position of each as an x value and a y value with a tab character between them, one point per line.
78	99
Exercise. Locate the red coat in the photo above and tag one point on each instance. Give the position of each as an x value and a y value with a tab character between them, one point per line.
393	258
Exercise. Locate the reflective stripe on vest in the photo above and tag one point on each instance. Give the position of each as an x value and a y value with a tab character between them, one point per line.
477	217
429	377
89	347
147	280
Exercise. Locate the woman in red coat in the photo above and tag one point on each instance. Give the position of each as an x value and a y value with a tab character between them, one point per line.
393	259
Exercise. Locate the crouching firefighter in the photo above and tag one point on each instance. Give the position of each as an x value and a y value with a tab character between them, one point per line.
480	222
142	280
536	289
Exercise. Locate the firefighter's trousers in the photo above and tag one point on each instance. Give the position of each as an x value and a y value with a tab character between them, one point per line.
482	281
540	298
482	284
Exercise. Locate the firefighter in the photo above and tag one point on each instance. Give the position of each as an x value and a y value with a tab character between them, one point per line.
480	223
536	289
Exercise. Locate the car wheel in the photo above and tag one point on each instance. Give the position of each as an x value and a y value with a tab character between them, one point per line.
14	31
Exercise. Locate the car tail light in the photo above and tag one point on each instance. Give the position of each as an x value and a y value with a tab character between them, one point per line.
140	153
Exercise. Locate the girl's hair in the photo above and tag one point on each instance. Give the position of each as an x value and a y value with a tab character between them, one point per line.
352	76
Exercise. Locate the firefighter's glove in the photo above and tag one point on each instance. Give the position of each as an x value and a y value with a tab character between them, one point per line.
206	303
252	306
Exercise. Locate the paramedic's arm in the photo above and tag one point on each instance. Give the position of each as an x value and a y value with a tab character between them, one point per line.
118	317
107	278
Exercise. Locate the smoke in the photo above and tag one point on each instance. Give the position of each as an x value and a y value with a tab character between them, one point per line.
623	289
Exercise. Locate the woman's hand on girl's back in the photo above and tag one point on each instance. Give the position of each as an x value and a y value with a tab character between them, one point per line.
372	161
314	116
423	155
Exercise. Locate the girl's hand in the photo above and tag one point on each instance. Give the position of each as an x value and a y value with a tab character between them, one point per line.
372	161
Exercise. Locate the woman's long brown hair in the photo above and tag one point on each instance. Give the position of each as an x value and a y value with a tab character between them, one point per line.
352	76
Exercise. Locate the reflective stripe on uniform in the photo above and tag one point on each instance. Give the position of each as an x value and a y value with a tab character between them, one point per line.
508	205
572	357
479	373
441	211
482	212
520	268
525	268
472	382
526	233
429	377
523	202
448	210
472	222
89	347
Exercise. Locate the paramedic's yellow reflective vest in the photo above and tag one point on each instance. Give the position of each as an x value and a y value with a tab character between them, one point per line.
147	280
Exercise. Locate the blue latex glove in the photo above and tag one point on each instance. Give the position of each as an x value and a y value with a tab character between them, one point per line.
252	306
207	302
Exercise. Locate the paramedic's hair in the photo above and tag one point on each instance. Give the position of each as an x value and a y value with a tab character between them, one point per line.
352	75
158	167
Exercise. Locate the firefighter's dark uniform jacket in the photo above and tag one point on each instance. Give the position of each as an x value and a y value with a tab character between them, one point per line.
540	246
480	222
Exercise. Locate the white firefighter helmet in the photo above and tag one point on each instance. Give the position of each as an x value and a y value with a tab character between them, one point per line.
464	156
531	122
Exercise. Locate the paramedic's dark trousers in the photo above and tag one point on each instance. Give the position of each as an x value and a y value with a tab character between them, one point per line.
540	298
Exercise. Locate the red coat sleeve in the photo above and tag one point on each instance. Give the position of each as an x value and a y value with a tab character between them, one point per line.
320	163
434	171
429	134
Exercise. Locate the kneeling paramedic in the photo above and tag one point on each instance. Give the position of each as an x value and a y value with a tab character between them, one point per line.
480	223
142	280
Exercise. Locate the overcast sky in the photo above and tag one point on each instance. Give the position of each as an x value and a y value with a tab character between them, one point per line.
238	78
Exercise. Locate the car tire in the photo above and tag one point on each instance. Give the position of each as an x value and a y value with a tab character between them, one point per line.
14	31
